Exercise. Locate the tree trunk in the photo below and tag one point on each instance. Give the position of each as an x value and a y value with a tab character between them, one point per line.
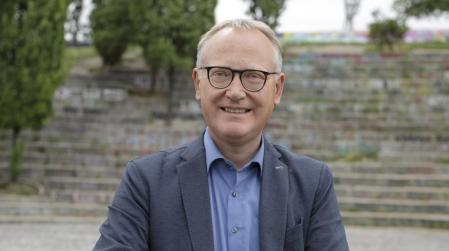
74	37
15	136
153	79
171	88
15	158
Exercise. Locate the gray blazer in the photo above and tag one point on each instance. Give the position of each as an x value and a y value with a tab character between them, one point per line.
163	203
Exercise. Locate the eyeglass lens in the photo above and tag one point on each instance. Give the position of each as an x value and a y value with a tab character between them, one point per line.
221	77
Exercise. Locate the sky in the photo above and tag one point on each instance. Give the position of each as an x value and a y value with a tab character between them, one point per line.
317	15
325	15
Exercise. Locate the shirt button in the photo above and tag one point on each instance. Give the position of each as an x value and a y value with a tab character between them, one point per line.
234	230
234	194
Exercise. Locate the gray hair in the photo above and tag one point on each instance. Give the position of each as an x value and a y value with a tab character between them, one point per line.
244	24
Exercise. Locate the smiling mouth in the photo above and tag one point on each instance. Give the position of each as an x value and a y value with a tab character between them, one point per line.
235	110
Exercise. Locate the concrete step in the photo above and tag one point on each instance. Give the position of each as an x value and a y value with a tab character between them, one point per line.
51	219
387	168
392	180
75	115
400	193
438	157
94	155
5	197
45	207
81	183
59	139
45	171
393	205
77	159
396	219
67	147
88	127
143	144
322	154
81	196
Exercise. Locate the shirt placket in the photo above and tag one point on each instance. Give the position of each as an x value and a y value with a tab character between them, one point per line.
237	215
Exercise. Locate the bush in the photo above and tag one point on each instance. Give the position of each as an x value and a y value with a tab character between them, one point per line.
112	29
387	33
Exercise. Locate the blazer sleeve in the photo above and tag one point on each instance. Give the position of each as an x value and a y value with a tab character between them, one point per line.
326	231
127	223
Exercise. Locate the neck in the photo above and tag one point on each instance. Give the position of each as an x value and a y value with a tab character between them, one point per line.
239	151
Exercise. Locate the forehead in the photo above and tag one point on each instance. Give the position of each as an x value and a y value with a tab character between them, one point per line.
240	48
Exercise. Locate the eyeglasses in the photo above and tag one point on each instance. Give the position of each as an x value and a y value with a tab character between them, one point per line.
221	77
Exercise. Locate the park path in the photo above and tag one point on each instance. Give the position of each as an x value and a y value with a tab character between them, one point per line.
76	237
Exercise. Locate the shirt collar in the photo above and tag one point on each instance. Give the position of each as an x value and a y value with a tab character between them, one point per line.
212	152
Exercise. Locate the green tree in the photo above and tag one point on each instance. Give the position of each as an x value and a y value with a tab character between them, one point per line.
112	29
31	63
267	11
170	31
158	55
421	8
157	48
386	32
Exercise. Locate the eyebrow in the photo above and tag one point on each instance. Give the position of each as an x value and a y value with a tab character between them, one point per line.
239	69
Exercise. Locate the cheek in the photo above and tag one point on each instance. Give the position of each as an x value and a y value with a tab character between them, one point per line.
266	104
206	101
201	93
265	99
210	96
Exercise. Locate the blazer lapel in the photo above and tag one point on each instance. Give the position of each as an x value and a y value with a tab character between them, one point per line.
273	201
195	195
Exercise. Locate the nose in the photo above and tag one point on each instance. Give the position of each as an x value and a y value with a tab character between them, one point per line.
235	90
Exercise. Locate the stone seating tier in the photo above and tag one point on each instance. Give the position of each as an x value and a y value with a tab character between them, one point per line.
381	123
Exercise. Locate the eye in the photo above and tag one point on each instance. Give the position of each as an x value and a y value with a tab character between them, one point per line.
255	75
220	73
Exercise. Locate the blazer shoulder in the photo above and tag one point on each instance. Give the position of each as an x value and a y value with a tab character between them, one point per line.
309	169
312	176
158	159
170	152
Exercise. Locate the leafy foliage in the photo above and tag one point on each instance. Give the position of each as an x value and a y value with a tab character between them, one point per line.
421	8
267	11
169	30
31	53
168	34
387	32
112	29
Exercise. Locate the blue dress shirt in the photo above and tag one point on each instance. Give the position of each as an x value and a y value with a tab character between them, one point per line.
234	199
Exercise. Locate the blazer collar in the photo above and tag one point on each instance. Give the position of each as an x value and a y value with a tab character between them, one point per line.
195	195
273	201
213	153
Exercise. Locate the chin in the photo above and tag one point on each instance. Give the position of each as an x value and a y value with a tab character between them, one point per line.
235	131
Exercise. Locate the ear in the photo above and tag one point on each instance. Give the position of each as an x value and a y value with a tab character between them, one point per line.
196	83
279	88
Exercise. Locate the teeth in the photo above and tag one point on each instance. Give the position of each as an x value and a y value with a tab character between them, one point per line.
235	110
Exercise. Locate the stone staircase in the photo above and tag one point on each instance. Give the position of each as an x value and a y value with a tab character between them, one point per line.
381	122
402	193
39	209
76	161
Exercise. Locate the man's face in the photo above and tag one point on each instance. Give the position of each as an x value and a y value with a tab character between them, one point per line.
234	114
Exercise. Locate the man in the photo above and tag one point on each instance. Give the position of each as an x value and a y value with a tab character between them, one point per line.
230	189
